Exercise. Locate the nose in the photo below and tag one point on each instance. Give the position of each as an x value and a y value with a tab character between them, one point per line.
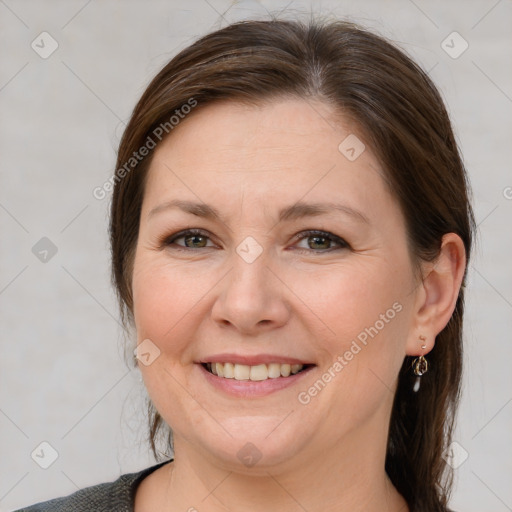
252	299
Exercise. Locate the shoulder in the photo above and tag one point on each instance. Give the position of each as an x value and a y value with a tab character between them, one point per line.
116	496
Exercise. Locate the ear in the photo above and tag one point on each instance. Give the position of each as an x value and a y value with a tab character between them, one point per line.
437	294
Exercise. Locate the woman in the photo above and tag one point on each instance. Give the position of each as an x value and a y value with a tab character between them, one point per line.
290	232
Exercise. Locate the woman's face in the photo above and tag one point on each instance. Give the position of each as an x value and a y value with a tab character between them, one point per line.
269	279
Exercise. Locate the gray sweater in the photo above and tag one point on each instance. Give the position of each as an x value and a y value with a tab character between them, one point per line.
118	496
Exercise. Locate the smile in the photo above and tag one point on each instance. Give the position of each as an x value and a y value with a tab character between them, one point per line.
254	373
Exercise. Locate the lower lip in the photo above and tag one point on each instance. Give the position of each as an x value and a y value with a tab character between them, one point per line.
249	388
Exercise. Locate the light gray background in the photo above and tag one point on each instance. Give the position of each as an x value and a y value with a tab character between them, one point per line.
62	375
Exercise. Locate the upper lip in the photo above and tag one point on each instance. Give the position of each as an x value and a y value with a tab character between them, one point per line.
252	360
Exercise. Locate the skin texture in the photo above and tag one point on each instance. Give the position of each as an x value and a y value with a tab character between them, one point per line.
302	297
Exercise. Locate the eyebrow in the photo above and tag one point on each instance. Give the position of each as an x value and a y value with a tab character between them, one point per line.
288	213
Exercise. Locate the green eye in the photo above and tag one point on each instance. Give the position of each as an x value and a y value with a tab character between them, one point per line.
193	238
321	241
318	241
200	240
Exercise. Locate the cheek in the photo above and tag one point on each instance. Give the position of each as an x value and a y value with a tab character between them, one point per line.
166	300
351	298
164	296
363	314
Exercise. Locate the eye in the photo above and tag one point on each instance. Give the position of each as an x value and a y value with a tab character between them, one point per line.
320	241
193	239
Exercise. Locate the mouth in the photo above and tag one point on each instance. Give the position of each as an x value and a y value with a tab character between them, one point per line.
255	373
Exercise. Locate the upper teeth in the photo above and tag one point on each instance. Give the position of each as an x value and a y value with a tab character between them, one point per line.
258	372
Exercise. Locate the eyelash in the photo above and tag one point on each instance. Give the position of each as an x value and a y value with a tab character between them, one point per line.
168	241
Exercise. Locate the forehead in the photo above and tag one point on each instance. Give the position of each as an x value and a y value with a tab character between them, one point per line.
279	151
271	128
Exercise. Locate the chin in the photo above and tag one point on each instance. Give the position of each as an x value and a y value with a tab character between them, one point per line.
256	444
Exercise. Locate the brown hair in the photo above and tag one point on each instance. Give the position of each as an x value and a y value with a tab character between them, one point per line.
402	117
